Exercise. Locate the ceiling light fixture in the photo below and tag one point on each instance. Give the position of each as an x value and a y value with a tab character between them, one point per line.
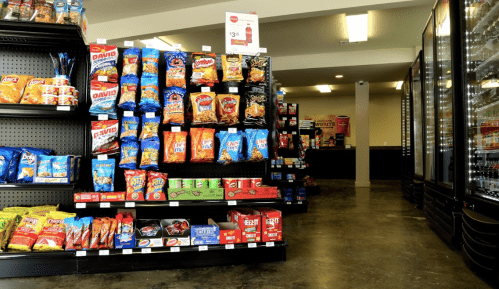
399	85
357	27
339	76
158	44
324	88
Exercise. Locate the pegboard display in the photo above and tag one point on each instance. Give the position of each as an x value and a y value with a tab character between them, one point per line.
36	198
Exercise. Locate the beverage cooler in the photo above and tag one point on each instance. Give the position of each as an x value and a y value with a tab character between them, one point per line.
407	149
417	131
480	217
443	179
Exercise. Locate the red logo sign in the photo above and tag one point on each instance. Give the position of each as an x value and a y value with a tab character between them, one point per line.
233	19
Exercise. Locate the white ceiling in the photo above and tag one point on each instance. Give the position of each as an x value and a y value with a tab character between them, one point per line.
378	88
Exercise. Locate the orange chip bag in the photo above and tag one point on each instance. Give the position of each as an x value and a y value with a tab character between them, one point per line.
175	145
26	233
204	69
33	91
203	107
202	145
232	67
228	109
12	87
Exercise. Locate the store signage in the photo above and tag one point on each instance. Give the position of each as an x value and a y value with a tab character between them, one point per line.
241	33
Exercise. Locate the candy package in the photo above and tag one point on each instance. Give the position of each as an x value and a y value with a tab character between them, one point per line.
231	147
9	162
149	99
202	145
103	59
129	128
135	184
104	96
128	99
255	108
33	91
26	233
228	109
150	155
150	128
129	153
175	146
103	175
26	168
12	87
156	182
257	148
175	69
174	105
105	137
75	12
232	67
150	60
44	169
203	108
61	11
131	61
204	69
256	70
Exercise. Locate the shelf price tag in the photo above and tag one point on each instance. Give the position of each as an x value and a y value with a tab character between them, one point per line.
284	118
105	205
102	78
101	41
206	48
81	253
177	46
290	181
150	114
290	166
63	108
293	118
127	251
251	245
232	130
270	244
233	89
146	251
288	203
102	157
103	252
128	43
294	132
262	50
229	246
278	166
285	132
293	104
205	89
128	113
175	128
300	203
232	203
203	248
175	249
130	205
81	205
173	204
103	117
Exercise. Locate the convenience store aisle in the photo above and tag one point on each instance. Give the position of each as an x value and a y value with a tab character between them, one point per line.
350	238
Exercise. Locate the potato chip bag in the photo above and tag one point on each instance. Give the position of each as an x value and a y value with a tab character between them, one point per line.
44	169
150	155
53	233
26	233
255	108
202	145
257	148
228	109
12	87
256	70
175	146
175	69
203	108
231	147
232	67
33	90
173	111
204	69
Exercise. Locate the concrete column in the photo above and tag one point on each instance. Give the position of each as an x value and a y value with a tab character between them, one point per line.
362	134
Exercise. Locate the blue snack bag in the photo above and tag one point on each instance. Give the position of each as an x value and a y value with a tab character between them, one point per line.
150	58
257	148
175	69
60	166
150	155
103	95
129	153
173	112
6	154
13	166
131	61
27	164
129	128
149	99
231	147
103	175
129	87
44	169
150	128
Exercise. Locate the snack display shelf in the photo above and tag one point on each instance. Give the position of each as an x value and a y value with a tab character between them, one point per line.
288	167
146	204
33	186
45	111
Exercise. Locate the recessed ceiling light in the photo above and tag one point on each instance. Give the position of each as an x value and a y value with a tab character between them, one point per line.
324	88
357	27
399	85
339	76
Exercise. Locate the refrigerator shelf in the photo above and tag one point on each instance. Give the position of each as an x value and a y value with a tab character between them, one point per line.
486	63
479	151
483	23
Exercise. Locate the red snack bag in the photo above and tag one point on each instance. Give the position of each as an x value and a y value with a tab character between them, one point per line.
104	233
127	226
112	230
68	224
155	186
283	141
204	69
96	228
202	145
105	137
135	184
292	110
103	59
175	146
77	226
86	233
283	110
290	142
119	220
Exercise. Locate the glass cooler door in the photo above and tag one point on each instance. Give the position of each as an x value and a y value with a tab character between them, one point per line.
408	140
481	53
429	88
402	124
417	119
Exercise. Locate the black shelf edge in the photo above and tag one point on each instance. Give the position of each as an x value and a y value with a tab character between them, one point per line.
288	181
37	255
32	186
8	110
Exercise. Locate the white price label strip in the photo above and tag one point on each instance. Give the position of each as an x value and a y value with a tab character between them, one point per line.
130	205
262	50
101	41
81	253
64	108
173	204
203	248
205	89
232	130
270	244
293	132
251	245
284	118
285	132
278	166
290	166
127	252
233	89
150	114
288	203
105	205
177	46
300	203
103	117
128	43
290	181
102	78
145	250
232	203
206	48
229	246
81	205
102	157
128	113
175	249
175	128
103	252
294	118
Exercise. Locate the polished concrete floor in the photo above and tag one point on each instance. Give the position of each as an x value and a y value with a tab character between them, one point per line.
350	238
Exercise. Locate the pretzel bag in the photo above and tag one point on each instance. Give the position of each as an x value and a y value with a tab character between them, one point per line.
202	145
175	145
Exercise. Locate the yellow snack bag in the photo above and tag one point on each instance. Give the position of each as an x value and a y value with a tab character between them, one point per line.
26	233
232	68
33	90
203	107
53	233
12	87
9	220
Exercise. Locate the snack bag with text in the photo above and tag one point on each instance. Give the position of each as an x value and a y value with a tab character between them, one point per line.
232	67
103	59
202	145
175	69
203	108
228	109
204	69
174	106
33	90
231	147
12	87
175	146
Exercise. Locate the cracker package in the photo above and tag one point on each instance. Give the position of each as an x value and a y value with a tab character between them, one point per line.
173	111
26	233
228	109
149	99
231	147
203	108
33	91
204	69
175	69
257	148
43	11
256	70
255	108
12	87
11	9
156	182
232	68
202	145
26	10
150	155
135	184
150	60
175	146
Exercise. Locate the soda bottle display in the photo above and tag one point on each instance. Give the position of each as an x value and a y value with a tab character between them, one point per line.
249	34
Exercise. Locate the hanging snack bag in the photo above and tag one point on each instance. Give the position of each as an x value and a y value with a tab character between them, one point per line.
283	109
129	85
174	106
44	166
33	90
175	146
292	110
26	233
231	147
12	87
150	128
43	11
150	155
232	67
255	108
129	128
283	141
105	137
256	70
27	164
149	99
104	96
103	175
228	109
202	145
11	9
156	182
257	148
204	69
104	233
175	69
129	153
150	60
135	184
203	107
290	142
26	10
131	61
75	11
61	11
103	59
